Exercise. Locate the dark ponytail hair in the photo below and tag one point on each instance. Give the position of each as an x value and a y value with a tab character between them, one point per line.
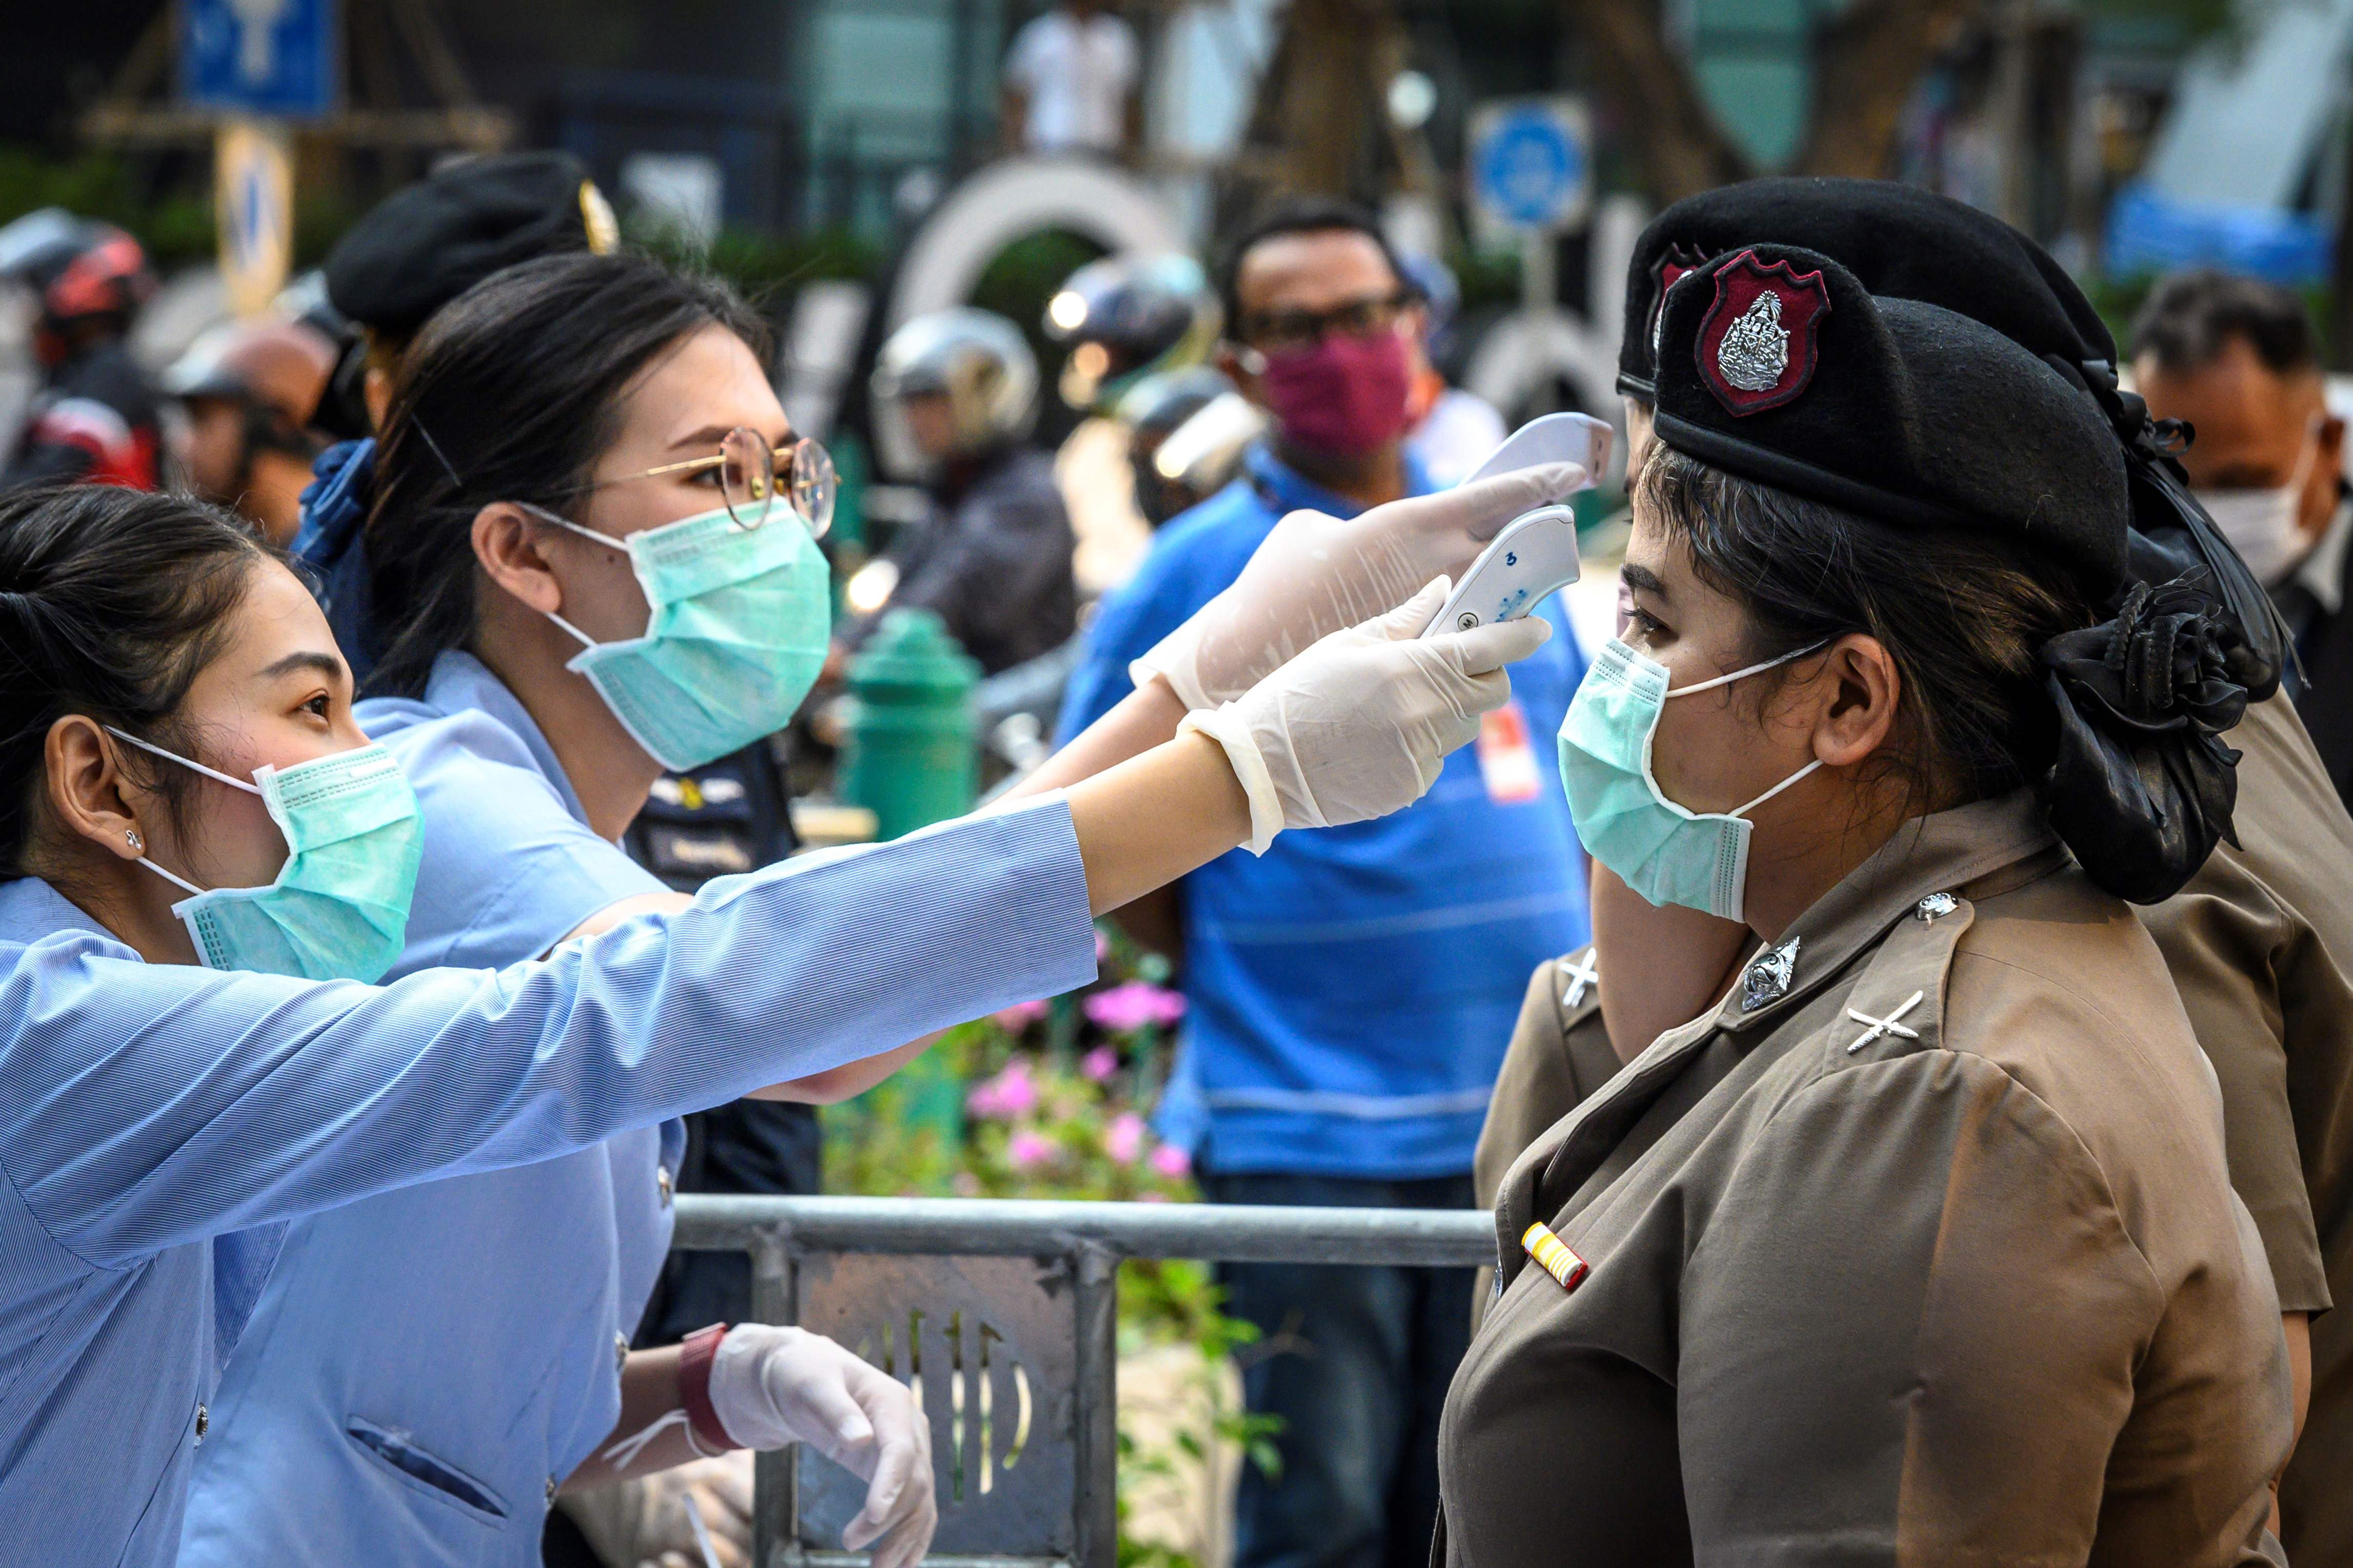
510	392
111	603
2012	674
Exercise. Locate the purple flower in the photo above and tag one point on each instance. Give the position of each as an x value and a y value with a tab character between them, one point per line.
1099	1063
1172	1162
1123	1139
1011	1093
1019	1016
1123	1009
1025	1148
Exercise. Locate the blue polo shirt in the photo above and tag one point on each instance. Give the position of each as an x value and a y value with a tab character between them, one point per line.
1352	990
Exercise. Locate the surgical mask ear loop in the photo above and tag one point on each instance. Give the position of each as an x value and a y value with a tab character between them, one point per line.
1743	675
607	540
178	881
1752	669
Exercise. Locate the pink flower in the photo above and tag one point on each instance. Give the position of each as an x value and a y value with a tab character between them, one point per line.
1123	1139
1103	947
1011	1093
1019	1016
1125	1008
1152	1198
1099	1063
1025	1148
1170	1161
965	1183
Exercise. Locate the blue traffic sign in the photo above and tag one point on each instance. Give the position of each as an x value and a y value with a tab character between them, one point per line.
1529	165
259	57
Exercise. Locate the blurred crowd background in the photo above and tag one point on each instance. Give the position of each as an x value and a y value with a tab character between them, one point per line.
1007	247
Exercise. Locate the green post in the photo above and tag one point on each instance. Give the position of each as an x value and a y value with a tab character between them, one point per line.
911	755
910	748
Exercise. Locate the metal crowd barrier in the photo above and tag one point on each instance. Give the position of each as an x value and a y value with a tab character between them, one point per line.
1002	1315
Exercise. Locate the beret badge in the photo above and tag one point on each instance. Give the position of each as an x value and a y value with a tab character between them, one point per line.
1756	344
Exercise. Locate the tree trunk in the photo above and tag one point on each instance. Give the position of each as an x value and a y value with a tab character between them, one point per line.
1866	60
1313	128
1673	135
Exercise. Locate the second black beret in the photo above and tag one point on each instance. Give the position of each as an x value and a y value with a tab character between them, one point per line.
422	246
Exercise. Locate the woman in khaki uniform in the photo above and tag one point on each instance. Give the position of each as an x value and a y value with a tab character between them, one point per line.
1919	1246
2260	941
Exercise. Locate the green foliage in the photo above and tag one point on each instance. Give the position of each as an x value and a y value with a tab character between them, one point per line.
174	228
768	268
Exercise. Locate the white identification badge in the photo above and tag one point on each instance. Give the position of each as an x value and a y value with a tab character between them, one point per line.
1507	760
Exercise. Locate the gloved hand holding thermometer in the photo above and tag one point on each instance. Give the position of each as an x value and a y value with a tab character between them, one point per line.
1359	725
1317	575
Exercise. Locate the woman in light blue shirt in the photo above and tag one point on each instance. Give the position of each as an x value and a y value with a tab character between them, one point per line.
153	658
486	1319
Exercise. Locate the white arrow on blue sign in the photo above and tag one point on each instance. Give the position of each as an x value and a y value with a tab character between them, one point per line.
259	56
1531	167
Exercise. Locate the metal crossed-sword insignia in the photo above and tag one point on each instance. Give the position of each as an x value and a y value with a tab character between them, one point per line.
1887	1026
1580	976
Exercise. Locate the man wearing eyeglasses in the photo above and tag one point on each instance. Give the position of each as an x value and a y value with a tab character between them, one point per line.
1350	993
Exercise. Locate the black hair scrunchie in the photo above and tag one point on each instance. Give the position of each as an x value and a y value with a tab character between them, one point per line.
2142	787
2172	533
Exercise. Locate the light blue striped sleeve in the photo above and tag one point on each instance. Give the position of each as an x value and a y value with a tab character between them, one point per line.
146	1105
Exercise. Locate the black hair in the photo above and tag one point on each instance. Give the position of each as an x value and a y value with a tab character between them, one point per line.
1963	613
1301	214
2190	316
111	603
511	392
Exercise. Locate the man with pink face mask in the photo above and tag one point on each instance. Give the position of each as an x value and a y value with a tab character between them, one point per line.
1349	993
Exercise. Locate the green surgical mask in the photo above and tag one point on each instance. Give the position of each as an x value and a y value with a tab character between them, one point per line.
740	622
339	907
1667	853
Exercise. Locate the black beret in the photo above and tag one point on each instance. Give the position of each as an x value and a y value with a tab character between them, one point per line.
424	246
1900	241
1775	364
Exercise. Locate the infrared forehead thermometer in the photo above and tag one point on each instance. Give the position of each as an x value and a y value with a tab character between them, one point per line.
1534	556
1577	438
1536	553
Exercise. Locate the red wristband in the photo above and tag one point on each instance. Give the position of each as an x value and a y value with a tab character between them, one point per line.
695	1359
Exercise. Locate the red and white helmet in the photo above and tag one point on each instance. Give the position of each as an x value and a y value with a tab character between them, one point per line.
80	268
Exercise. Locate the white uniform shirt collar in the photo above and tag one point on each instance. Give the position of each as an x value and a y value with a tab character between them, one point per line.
2322	572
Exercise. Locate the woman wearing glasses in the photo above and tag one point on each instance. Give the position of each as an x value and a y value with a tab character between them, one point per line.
594	554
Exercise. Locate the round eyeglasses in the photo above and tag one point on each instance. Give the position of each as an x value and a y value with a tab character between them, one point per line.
751	474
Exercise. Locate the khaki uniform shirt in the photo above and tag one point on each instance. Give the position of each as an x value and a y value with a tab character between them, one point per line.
1920	1248
2260	946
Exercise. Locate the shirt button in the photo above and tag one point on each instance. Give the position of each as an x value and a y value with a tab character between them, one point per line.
551	1490
204	1422
620	1353
662	1184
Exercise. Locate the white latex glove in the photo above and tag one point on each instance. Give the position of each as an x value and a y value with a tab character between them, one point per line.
1316	574
771	1387
1359	725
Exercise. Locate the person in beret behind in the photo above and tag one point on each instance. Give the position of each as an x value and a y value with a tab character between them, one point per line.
418	249
1920	1246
